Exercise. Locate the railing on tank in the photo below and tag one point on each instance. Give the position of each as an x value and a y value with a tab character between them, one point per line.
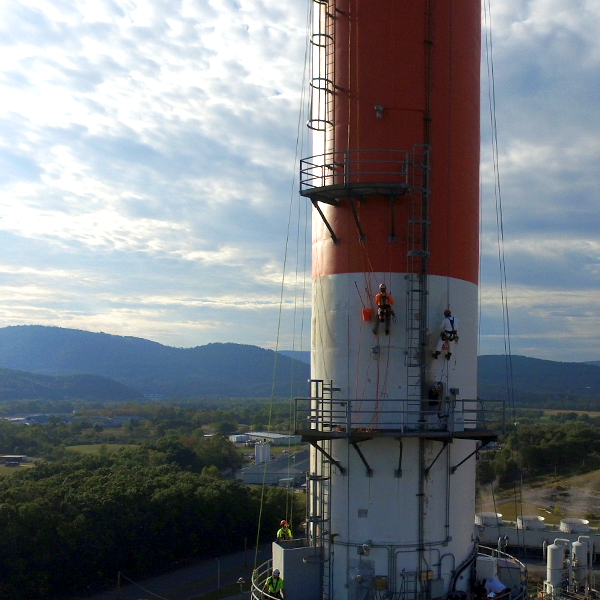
354	167
259	576
345	418
518	585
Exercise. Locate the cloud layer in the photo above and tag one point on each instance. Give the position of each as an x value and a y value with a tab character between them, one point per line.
147	153
547	82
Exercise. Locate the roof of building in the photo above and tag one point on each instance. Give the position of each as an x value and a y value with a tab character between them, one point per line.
270	435
293	463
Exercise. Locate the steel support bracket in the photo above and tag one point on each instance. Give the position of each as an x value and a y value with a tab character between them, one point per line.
334	237
364	460
329	457
398	471
444	444
361	235
453	469
392	236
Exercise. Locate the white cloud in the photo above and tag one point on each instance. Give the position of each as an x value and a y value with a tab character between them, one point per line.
147	158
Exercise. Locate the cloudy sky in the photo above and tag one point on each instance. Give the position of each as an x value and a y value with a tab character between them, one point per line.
148	158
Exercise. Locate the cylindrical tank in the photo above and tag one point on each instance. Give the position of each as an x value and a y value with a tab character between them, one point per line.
579	553
399	205
573	525
554	564
488	519
262	452
531	522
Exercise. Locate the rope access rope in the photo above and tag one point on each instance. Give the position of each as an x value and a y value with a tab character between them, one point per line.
499	221
299	139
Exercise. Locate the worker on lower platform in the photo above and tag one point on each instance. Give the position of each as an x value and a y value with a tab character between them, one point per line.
435	396
274	585
284	533
449	334
385	313
494	588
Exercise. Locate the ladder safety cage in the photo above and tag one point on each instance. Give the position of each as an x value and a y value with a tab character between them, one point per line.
322	84
318	481
416	276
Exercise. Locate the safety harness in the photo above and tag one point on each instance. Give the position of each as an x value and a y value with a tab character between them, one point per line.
450	336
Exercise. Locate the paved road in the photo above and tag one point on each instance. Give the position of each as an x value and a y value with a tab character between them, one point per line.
190	581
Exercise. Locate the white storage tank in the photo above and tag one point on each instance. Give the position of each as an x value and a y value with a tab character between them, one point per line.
555	564
262	452
572	525
579	552
531	522
488	519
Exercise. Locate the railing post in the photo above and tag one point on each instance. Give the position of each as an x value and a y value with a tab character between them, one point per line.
346	168
348	418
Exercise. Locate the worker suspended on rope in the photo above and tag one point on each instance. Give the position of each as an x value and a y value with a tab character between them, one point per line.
449	334
385	313
284	533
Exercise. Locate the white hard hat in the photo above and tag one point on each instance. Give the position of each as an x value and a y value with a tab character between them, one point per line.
276	572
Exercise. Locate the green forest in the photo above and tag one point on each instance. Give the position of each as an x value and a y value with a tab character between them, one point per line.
539	444
73	521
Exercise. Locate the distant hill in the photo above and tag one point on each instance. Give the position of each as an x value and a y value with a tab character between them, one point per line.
227	369
302	355
533	377
20	385
149	367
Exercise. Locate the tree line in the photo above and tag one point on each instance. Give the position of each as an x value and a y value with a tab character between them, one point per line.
75	522
564	443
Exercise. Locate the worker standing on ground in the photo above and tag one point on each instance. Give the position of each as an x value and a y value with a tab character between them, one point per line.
384	303
449	334
284	533
274	585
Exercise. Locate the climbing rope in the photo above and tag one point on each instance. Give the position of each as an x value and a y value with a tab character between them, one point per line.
500	231
293	195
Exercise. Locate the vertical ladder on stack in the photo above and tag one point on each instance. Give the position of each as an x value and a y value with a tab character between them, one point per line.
322	82
416	280
318	482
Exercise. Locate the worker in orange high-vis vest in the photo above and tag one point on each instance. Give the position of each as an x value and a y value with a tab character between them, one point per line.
385	313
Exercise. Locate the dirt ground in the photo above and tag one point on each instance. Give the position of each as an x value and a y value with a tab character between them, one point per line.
554	499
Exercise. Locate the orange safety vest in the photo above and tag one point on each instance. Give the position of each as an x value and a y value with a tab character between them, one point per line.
384	300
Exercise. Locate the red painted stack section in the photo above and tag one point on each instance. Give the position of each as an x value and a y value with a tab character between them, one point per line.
418	60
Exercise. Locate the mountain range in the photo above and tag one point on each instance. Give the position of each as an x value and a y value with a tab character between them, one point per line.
53	362
22	385
149	367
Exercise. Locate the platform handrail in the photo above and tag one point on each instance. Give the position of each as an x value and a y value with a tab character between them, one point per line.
347	167
343	416
259	576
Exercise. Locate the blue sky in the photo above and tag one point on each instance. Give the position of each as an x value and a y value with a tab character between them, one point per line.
148	168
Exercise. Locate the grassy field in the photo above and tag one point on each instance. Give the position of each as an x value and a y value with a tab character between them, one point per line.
557	411
11	470
95	448
553	498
